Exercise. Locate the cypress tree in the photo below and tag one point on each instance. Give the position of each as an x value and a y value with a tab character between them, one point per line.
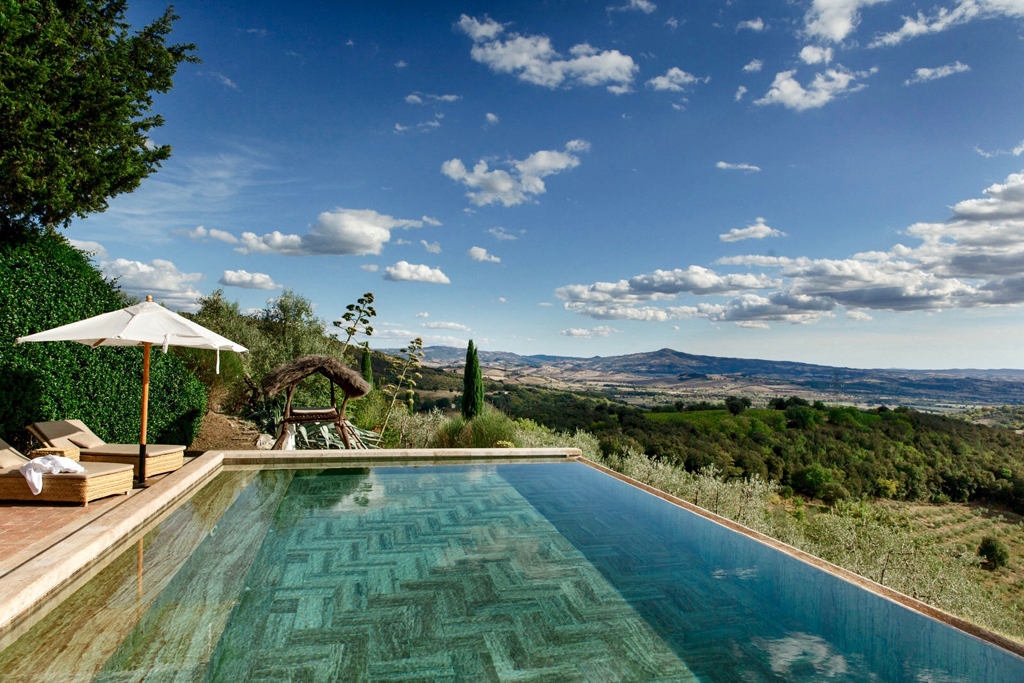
368	368
472	384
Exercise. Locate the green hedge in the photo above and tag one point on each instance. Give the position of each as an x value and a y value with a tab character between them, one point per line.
44	283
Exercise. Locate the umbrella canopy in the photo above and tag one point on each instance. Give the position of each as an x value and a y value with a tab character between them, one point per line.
145	323
142	325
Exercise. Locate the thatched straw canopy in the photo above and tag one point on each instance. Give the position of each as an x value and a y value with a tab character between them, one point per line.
334	369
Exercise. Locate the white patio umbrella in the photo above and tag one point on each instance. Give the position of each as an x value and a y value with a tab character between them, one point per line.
142	325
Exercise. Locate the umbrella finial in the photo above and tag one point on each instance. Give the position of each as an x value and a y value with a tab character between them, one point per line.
149	297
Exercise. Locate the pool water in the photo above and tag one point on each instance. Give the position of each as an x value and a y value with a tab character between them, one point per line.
552	571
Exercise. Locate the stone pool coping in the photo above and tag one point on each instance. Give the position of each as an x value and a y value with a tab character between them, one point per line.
37	580
37	584
845	574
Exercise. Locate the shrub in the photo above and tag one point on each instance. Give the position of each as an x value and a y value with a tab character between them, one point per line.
490	427
44	283
993	552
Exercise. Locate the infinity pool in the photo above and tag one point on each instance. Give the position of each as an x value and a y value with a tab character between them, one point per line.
551	571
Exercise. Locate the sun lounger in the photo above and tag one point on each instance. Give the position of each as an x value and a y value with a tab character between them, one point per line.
100	479
160	458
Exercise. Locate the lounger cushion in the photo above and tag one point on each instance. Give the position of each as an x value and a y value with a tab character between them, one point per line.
9	457
58	433
92	469
86	440
123	449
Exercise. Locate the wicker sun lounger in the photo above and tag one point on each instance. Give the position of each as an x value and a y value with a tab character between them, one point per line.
99	480
160	458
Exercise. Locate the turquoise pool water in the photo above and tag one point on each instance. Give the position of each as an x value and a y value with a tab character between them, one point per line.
550	571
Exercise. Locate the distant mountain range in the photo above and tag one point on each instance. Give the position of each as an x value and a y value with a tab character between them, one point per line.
668	367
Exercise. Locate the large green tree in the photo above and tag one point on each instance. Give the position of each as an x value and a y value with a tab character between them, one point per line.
76	91
472	384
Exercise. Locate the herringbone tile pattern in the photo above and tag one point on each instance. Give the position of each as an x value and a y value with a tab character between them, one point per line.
445	577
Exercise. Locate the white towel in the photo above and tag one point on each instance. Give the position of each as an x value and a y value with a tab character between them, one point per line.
34	470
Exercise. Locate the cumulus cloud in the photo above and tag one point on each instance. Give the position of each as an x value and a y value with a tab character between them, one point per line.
601	331
757	25
925	74
159	278
753	66
403	271
645	6
431	247
501	234
401	64
757	231
425	97
813	54
974	259
480	254
747	168
943	19
370	267
533	58
740	92
672	23
825	87
445	326
247	280
422	315
94	248
834	20
338	232
675	80
519	184
431	221
492	119
206	234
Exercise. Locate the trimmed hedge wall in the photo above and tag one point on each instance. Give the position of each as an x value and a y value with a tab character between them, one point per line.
44	283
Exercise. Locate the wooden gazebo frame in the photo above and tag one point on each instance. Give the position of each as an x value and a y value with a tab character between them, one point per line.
288	376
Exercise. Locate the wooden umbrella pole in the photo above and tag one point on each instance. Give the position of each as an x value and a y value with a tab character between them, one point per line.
145	411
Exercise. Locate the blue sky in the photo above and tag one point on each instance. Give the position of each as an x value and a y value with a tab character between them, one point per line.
833	181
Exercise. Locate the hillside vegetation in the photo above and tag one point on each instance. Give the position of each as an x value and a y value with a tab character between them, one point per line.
831	453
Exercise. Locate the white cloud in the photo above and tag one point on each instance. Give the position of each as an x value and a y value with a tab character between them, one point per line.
672	23
223	80
492	119
825	87
834	19
753	66
755	25
94	248
207	234
403	271
757	231
480	254
370	267
858	315
675	80
943	19
601	331
546	304
422	315
664	284
500	233
445	326
247	280
645	6
534	60
401	64
925	74
431	221
341	231
517	186
753	325
740	92
158	278
813	54
747	168
424	97
431	247
350	43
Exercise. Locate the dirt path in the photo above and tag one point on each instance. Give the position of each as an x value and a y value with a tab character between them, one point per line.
227	432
